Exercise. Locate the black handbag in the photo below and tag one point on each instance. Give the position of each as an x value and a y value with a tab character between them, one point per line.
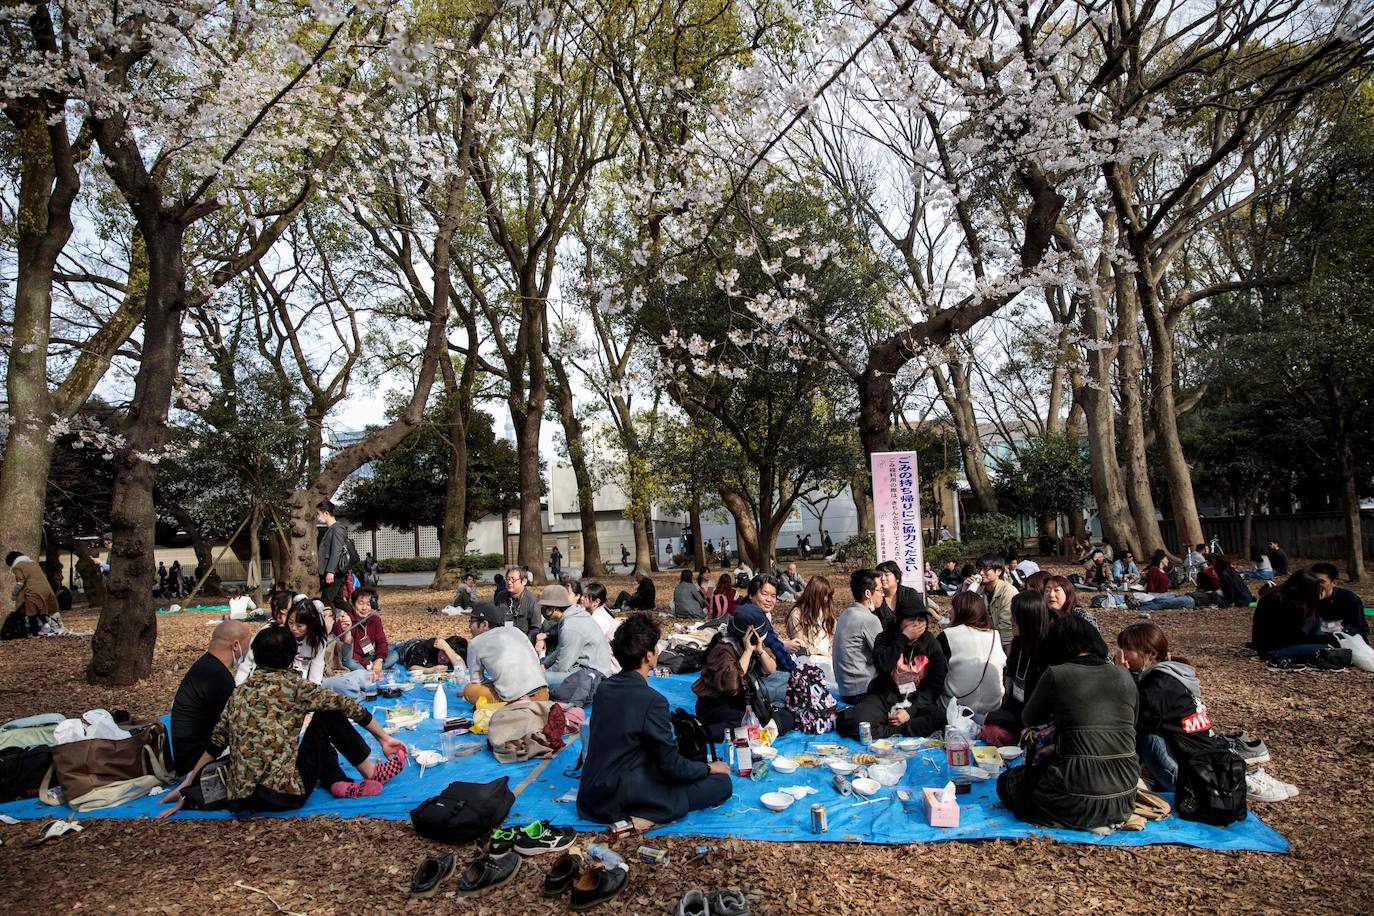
464	811
22	770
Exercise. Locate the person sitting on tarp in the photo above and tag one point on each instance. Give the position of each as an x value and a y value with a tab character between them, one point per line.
893	593
904	697
34	601
579	641
738	662
1285	626
1089	782
501	660
204	690
363	631
1339	605
269	769
632	766
240	604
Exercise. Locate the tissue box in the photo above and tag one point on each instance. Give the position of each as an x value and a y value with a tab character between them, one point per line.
940	813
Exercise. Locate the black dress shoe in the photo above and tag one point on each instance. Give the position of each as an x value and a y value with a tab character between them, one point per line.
564	872
596	885
487	872
429	874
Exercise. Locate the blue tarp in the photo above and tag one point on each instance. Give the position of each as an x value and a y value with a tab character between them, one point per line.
855	820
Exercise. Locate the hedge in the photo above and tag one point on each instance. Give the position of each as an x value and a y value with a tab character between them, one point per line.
430	564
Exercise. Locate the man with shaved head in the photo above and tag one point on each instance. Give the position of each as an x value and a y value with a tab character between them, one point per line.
204	690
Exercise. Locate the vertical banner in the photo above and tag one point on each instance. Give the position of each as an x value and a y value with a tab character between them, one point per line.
897	515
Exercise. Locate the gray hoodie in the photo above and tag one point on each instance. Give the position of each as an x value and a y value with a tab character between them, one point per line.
1185	674
852	649
581	642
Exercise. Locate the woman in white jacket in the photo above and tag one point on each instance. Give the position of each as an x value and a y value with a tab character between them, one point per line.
976	657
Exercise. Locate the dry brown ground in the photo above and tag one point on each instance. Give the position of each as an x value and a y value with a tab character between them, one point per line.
1319	728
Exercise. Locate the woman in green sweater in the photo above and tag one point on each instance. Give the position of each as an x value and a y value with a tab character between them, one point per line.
1089	782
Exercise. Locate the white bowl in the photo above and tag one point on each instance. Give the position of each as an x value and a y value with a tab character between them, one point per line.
841	766
765	751
865	786
776	801
1010	752
909	744
784	764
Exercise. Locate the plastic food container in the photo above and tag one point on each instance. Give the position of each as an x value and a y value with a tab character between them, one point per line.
776	801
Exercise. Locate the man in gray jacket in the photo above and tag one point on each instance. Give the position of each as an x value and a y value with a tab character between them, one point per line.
855	633
332	556
521	607
581	643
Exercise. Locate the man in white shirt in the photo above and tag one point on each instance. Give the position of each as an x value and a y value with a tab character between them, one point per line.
501	660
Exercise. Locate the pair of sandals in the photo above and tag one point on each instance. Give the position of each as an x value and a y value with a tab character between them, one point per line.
591	883
482	875
697	902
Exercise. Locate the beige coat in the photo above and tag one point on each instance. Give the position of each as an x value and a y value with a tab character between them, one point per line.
35	594
999	606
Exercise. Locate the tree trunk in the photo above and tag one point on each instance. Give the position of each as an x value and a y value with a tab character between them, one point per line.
651	542
698	542
1350	497
204	553
453	538
745	532
52	562
253	577
529	550
1129	367
1247	528
1165	413
592	566
89	571
957	395
122	647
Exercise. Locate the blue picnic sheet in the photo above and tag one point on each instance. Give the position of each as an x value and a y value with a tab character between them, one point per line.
880	819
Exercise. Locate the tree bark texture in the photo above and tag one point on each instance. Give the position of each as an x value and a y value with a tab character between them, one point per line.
1129	368
453	539
592	564
745	532
956	392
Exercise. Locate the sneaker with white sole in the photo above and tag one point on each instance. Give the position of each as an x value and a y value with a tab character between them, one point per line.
1251	750
1260	786
541	837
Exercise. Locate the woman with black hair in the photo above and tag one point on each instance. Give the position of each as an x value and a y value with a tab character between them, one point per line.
1089	782
1230	583
905	696
1030	623
1286	627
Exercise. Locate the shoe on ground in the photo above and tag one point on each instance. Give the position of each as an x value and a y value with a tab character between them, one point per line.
501	841
1260	786
566	870
486	872
1287	665
693	903
727	903
1251	750
429	874
598	884
541	837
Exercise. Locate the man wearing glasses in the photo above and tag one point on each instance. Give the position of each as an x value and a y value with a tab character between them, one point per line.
520	605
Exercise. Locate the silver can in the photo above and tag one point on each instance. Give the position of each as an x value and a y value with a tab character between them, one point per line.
866	734
819	821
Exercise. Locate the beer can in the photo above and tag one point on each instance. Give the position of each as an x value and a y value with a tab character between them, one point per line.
819	821
652	855
841	785
866	734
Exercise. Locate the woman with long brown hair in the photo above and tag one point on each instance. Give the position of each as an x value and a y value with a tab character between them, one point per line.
810	624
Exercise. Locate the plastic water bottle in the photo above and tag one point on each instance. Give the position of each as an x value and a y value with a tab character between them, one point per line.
607	857
440	703
750	723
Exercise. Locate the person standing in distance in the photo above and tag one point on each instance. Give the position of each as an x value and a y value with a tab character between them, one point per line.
332	556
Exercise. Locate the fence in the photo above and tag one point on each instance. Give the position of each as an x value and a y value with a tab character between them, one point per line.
1318	535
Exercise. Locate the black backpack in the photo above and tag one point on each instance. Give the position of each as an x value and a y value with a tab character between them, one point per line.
683	659
463	812
693	739
1210	787
354	561
22	770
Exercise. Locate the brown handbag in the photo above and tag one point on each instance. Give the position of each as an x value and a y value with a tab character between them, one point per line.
83	766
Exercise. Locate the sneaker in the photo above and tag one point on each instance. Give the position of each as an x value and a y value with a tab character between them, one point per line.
501	841
1251	750
1290	790
541	837
1260	786
1287	665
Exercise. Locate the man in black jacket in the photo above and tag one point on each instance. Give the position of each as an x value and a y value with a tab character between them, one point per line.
1339	604
633	768
1278	559
333	561
644	597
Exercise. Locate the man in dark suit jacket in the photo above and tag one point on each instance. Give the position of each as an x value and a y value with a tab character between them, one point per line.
633	768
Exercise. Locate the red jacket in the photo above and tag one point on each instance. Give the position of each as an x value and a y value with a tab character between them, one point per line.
369	631
1156	580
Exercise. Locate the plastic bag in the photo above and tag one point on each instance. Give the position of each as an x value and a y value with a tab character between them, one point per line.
888	772
1361	654
960	718
97	723
482	713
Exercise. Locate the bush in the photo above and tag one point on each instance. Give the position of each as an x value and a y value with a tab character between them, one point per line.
861	550
473	561
937	554
991	533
